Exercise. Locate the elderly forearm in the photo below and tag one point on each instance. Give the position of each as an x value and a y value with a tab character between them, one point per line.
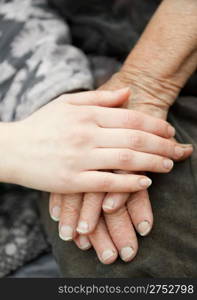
166	54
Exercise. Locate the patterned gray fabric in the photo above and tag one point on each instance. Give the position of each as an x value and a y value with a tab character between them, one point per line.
37	63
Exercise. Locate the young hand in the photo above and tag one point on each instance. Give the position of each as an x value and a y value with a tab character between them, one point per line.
60	147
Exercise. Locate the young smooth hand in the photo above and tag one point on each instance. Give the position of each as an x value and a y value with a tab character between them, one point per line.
61	147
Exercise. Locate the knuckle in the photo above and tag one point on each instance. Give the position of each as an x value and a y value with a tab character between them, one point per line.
91	198
71	210
80	137
106	182
95	94
155	164
131	119
167	148
69	162
124	157
127	118
136	122
86	114
91	114
160	128
121	212
136	141
165	128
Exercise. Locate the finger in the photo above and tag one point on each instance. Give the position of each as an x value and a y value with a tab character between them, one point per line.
97	181
90	212
55	201
131	119
103	244
125	159
100	98
139	141
70	210
114	201
140	211
83	242
122	233
187	148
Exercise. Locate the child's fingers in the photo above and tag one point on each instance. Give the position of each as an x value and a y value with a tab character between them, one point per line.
99	98
70	210
102	243
97	181
83	242
139	208
122	233
126	159
55	201
139	141
131	119
90	212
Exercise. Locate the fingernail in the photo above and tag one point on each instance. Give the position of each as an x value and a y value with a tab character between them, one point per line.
55	214
107	254
84	242
186	146
126	253
108	204
171	131
168	164
179	152
143	228
83	227
66	233
145	182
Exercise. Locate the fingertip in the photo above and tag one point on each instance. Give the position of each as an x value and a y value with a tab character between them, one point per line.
108	210
122	94
83	227
66	233
108	256
145	182
83	243
168	164
188	150
55	213
144	228
125	90
108	205
127	253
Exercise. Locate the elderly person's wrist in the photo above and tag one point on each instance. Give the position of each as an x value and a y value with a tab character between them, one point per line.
147	95
164	57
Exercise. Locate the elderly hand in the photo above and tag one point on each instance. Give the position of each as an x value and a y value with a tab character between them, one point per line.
79	214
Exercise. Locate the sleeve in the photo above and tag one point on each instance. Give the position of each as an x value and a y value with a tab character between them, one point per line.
37	60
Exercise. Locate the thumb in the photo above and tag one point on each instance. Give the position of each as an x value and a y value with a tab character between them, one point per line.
99	97
188	149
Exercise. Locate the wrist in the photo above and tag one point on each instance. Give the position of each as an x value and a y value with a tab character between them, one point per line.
150	89
8	146
145	96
